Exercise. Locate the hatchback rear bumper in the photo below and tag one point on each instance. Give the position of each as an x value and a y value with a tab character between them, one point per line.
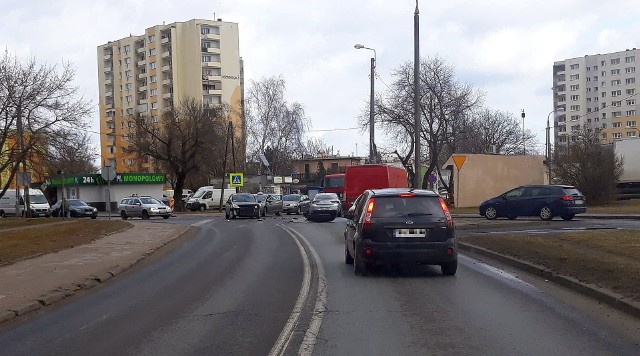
432	253
572	210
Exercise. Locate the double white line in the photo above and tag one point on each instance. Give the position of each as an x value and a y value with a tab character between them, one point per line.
309	340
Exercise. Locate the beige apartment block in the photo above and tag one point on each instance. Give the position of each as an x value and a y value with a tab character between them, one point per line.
149	73
598	93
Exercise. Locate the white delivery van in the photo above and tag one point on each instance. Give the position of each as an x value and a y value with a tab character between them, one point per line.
208	197
38	202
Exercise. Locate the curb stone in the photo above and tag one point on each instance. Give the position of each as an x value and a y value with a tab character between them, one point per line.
51	298
612	299
6	316
27	307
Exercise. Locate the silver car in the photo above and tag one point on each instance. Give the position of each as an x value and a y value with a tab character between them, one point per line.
144	207
324	207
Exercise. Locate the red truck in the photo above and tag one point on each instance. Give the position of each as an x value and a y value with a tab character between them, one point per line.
334	183
357	179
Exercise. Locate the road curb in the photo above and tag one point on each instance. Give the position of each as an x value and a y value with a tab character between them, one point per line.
603	295
585	216
474	226
87	283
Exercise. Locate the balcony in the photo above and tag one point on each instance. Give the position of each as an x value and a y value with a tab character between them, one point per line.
108	69
142	75
108	56
211	64
167	95
166	68
166	54
108	105
167	82
143	101
141	50
165	39
212	92
211	49
142	88
210	36
142	62
108	82
109	93
212	77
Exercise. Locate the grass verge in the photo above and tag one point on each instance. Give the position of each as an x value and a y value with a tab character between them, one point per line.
607	258
16	245
617	207
8	223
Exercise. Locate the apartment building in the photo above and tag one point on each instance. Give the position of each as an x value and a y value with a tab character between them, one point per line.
597	93
149	73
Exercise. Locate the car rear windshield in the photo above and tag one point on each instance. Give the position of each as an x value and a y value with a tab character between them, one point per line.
396	206
261	198
244	198
291	197
334	182
326	196
572	191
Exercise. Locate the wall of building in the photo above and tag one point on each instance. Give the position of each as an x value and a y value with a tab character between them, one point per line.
485	176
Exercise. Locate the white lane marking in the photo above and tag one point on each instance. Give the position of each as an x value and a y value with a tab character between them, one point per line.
310	337
283	340
199	223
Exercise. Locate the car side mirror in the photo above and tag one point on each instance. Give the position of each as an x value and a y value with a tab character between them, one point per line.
138	203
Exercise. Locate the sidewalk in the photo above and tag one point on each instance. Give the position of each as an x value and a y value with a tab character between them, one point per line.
28	285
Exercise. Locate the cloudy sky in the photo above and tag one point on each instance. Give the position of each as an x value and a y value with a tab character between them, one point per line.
504	47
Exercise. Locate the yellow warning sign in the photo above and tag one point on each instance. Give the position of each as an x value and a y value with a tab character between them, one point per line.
459	160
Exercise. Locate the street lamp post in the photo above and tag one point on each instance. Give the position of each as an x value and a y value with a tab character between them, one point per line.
372	146
524	150
548	141
416	97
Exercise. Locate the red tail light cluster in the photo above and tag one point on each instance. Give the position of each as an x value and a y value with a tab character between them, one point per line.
447	214
566	198
367	215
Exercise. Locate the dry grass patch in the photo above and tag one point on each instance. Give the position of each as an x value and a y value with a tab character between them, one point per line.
607	258
20	244
617	207
8	223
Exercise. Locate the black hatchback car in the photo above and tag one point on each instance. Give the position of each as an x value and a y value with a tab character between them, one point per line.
400	226
242	204
545	201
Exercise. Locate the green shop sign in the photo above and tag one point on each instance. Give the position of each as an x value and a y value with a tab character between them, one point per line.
96	179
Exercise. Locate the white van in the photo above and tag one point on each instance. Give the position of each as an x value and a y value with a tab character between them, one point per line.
38	202
208	197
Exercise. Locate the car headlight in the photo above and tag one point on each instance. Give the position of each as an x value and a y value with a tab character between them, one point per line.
235	206
95	210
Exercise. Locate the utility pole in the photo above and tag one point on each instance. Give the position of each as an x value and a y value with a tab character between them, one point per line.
524	150
224	165
372	145
416	97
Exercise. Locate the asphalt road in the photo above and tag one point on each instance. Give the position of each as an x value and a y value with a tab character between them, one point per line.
280	286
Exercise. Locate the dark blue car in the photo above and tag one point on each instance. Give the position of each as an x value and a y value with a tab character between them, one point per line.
545	201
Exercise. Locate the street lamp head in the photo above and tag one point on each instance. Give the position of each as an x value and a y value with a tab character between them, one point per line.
358	46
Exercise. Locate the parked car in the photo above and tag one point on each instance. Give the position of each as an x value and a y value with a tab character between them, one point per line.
37	202
295	203
545	201
324	207
208	197
242	204
273	204
400	225
144	207
77	209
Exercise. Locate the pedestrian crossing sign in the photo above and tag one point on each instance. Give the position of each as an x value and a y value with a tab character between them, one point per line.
236	179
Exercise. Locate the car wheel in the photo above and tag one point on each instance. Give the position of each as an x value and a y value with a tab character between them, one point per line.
165	217
145	215
545	213
491	213
278	213
449	268
202	207
347	256
123	215
2	215
359	267
567	217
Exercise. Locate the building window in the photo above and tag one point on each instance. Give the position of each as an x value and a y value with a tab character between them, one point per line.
603	73
128	86
604	115
630	59
205	30
152	52
574	77
631	134
616	82
152	38
631	123
127	74
615	72
603	94
617	114
129	98
206	58
616	135
575	107
575	87
575	97
588	69
127	60
616	103
153	79
154	119
575	66
604	126
630	80
127	48
152	65
129	112
616	125
575	117
616	93
154	105
631	102
630	70
631	91
154	92
615	61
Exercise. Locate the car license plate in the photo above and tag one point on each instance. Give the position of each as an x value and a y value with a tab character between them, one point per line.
409	232
578	201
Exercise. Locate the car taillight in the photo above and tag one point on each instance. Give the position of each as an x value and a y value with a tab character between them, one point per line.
405	195
566	198
447	214
367	215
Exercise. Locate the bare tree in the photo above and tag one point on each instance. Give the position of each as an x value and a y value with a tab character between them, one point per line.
314	147
591	166
444	103
274	126
184	140
492	131
67	150
36	100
